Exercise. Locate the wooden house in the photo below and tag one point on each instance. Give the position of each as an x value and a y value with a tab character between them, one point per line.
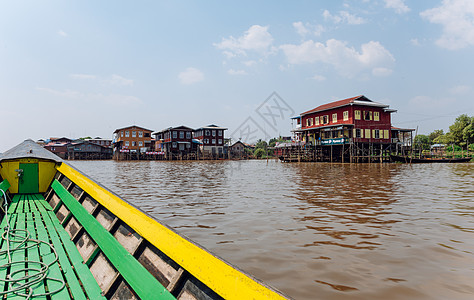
132	138
352	128
211	140
100	141
177	141
237	150
87	150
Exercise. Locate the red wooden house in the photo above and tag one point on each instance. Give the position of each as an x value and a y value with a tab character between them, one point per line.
176	140
353	127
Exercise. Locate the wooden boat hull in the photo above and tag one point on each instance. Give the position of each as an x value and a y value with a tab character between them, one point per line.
406	159
109	246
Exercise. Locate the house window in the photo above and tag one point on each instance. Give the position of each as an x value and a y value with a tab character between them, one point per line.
345	116
213	141
385	134
325	119
134	143
181	146
309	122
181	134
127	143
134	134
220	141
175	134
316	120
367	134
174	144
334	118
140	134
367	115
127	134
357	114
140	144
207	132
188	135
220	132
121	133
358	133
213	133
376	116
376	134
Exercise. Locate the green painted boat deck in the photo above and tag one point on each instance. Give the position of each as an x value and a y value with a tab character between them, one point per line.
67	278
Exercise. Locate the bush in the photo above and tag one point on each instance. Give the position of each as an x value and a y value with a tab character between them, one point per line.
259	153
450	148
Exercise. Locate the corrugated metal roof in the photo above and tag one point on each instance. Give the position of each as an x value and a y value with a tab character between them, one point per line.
29	149
357	100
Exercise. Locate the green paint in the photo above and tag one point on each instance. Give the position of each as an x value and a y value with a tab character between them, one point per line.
4	185
141	281
28	182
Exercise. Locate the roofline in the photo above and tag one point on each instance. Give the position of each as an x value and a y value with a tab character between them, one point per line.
132	126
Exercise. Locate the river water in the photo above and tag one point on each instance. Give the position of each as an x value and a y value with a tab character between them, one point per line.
317	230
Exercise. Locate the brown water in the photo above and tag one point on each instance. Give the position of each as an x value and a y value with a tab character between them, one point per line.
315	230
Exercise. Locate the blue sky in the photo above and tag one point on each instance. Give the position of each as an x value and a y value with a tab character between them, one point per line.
85	68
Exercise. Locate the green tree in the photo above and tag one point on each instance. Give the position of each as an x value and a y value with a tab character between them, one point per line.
259	152
436	134
457	129
261	145
423	141
468	132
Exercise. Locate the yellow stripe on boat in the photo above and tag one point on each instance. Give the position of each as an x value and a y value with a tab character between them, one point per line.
224	279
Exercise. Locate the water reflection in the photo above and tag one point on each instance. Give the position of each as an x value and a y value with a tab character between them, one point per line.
329	231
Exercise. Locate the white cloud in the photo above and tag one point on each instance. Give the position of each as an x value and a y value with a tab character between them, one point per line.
256	39
118	99
457	19
249	63
343	17
236	72
398	5
460	90
318	77
381	72
346	60
300	28
305	29
190	76
119	80
83	76
62	33
114	79
415	42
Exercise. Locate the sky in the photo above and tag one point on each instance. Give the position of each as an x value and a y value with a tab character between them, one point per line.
86	68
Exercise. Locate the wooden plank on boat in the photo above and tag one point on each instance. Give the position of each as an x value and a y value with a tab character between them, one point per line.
90	284
33	255
18	256
141	281
12	206
4	257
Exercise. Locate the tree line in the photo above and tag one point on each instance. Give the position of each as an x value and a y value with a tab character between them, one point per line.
460	135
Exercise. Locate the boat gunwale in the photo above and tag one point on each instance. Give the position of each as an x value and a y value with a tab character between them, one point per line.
211	278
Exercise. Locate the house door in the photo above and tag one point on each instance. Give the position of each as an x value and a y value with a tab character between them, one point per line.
28	182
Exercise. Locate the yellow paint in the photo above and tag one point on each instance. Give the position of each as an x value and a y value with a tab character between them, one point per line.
46	171
7	171
222	278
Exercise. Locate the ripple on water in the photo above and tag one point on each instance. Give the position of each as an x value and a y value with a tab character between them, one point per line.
315	230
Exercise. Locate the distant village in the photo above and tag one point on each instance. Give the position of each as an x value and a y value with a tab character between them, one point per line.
139	143
355	129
